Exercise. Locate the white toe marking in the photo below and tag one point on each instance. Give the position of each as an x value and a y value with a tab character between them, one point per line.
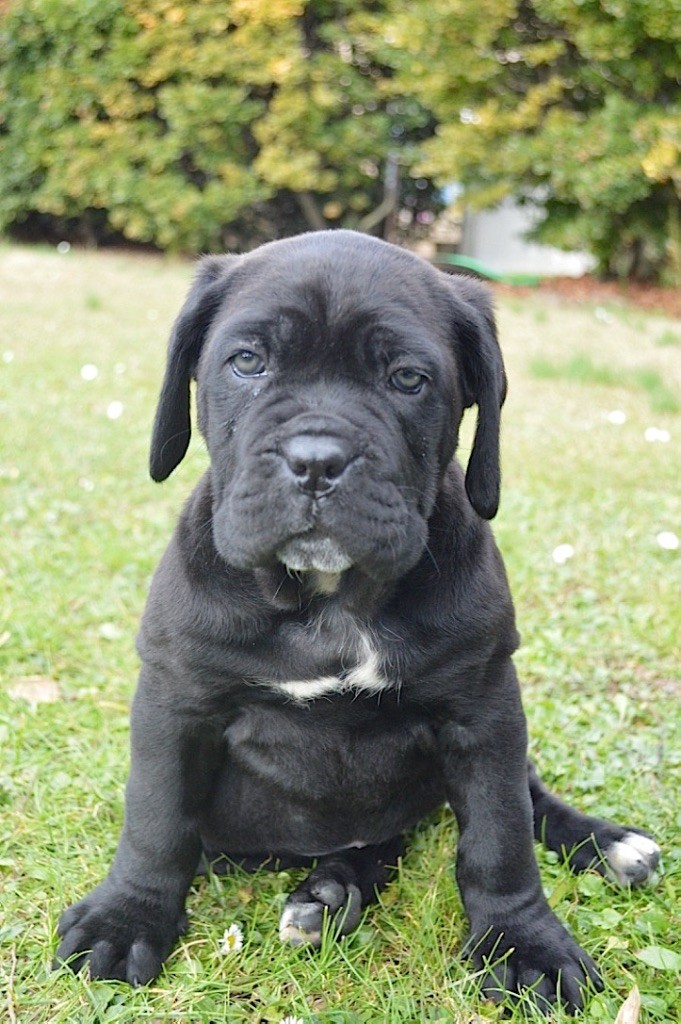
289	930
632	860
646	846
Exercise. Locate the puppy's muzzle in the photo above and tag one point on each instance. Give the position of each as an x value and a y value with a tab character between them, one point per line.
316	462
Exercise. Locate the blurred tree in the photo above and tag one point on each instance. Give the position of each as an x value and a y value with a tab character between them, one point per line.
203	124
196	124
576	104
129	114
333	133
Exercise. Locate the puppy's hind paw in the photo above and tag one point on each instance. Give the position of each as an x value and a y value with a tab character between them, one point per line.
631	860
322	896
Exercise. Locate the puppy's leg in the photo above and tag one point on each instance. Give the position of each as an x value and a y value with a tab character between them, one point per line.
338	888
125	928
515	940
625	855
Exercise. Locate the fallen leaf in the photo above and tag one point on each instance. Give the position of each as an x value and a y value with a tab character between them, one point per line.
660	957
35	690
630	1009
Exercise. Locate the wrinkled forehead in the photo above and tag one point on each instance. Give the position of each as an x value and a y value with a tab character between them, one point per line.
321	301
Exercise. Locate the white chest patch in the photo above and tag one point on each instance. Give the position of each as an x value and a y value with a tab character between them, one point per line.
366	677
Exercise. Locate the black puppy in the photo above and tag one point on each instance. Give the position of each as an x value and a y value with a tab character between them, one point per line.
326	649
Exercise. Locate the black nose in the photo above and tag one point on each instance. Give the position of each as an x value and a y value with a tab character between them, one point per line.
316	461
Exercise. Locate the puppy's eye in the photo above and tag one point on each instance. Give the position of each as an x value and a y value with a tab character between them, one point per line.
247	364
408	381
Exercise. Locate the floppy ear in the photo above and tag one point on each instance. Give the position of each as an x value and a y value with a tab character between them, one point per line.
172	426
484	385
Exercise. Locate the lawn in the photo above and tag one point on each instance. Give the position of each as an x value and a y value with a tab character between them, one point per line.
590	455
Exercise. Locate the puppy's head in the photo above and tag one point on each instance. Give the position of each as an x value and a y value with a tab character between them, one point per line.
332	370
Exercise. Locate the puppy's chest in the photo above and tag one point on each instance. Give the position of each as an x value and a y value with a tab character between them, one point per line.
325	656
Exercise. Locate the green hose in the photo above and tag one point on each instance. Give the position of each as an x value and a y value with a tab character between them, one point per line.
454	259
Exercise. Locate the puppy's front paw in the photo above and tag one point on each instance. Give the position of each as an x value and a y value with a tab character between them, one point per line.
537	957
116	936
325	894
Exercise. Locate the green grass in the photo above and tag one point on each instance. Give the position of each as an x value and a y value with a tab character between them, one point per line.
668	337
82	528
582	369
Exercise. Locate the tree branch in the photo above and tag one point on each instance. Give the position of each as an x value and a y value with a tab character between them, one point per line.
313	215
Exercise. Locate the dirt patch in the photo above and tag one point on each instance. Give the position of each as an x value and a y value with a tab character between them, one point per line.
651	298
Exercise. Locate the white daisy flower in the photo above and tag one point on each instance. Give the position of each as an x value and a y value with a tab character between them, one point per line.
110	631
232	940
7	356
617	417
655	434
562	553
89	371
668	540
292	1020
114	410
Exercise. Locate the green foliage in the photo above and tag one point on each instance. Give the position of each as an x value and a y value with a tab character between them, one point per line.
574	103
115	106
178	122
202	124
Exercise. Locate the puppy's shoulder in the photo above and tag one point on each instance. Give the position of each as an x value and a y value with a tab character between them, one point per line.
195	599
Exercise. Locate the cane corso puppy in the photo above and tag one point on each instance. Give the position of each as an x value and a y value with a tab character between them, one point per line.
326	650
